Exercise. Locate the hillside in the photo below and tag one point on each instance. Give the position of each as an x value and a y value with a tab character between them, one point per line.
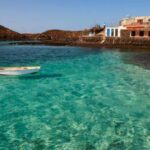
50	35
8	34
60	35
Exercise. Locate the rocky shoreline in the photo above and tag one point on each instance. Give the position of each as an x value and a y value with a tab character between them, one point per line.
122	46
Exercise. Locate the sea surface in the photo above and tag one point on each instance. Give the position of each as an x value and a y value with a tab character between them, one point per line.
82	99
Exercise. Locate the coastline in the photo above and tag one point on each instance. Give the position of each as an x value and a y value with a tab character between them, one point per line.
122	46
74	38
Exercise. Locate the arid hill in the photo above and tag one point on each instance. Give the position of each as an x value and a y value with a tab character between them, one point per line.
7	34
60	35
29	36
50	35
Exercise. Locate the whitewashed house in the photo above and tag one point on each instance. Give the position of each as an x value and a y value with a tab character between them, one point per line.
114	31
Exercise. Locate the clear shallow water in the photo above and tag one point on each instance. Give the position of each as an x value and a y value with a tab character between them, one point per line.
82	99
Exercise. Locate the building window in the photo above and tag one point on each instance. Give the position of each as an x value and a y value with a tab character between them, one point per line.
132	33
141	33
148	20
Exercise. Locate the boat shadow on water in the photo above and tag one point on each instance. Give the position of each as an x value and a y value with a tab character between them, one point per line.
36	76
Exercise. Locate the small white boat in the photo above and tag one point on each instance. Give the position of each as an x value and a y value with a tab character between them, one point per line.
12	71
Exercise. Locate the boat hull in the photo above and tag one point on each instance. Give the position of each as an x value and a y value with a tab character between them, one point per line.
12	72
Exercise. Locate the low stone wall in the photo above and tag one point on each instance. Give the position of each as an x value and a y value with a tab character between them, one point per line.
128	42
92	39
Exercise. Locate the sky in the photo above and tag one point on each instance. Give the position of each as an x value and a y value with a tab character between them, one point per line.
34	16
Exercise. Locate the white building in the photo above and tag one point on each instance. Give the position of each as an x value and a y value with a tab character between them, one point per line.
114	31
144	20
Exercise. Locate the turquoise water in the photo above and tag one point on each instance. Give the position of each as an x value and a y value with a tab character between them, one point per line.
82	99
